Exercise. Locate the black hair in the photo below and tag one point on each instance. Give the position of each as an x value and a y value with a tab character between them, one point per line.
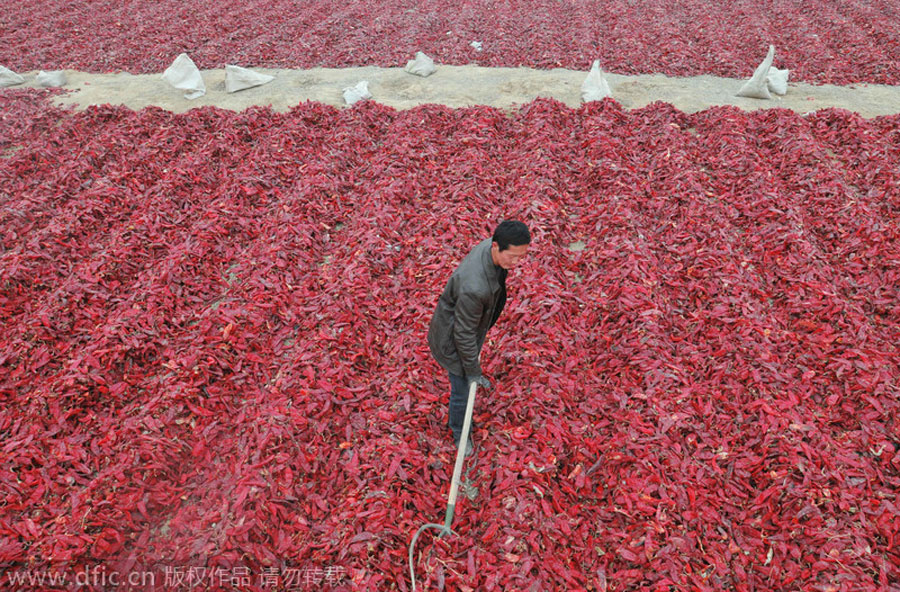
511	232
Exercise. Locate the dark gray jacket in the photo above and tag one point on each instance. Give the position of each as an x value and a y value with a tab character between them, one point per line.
468	307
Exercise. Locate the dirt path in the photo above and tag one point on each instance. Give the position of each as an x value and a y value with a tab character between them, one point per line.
461	86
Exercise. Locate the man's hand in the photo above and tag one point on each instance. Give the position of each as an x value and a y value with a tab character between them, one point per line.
481	381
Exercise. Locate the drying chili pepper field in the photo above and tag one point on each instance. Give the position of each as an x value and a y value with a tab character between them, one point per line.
826	41
214	366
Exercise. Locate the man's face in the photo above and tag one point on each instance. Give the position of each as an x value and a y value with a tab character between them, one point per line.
510	257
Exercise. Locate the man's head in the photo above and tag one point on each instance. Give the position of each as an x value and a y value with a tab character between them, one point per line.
510	243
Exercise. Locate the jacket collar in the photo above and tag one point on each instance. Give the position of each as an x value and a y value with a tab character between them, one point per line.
490	270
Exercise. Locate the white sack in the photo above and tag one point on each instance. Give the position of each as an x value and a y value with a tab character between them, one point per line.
421	66
237	78
360	92
595	87
777	80
756	87
55	78
9	78
183	74
476	45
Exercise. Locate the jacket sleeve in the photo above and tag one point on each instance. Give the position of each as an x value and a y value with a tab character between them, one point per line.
469	308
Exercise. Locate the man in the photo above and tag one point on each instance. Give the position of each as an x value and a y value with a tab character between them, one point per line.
470	305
